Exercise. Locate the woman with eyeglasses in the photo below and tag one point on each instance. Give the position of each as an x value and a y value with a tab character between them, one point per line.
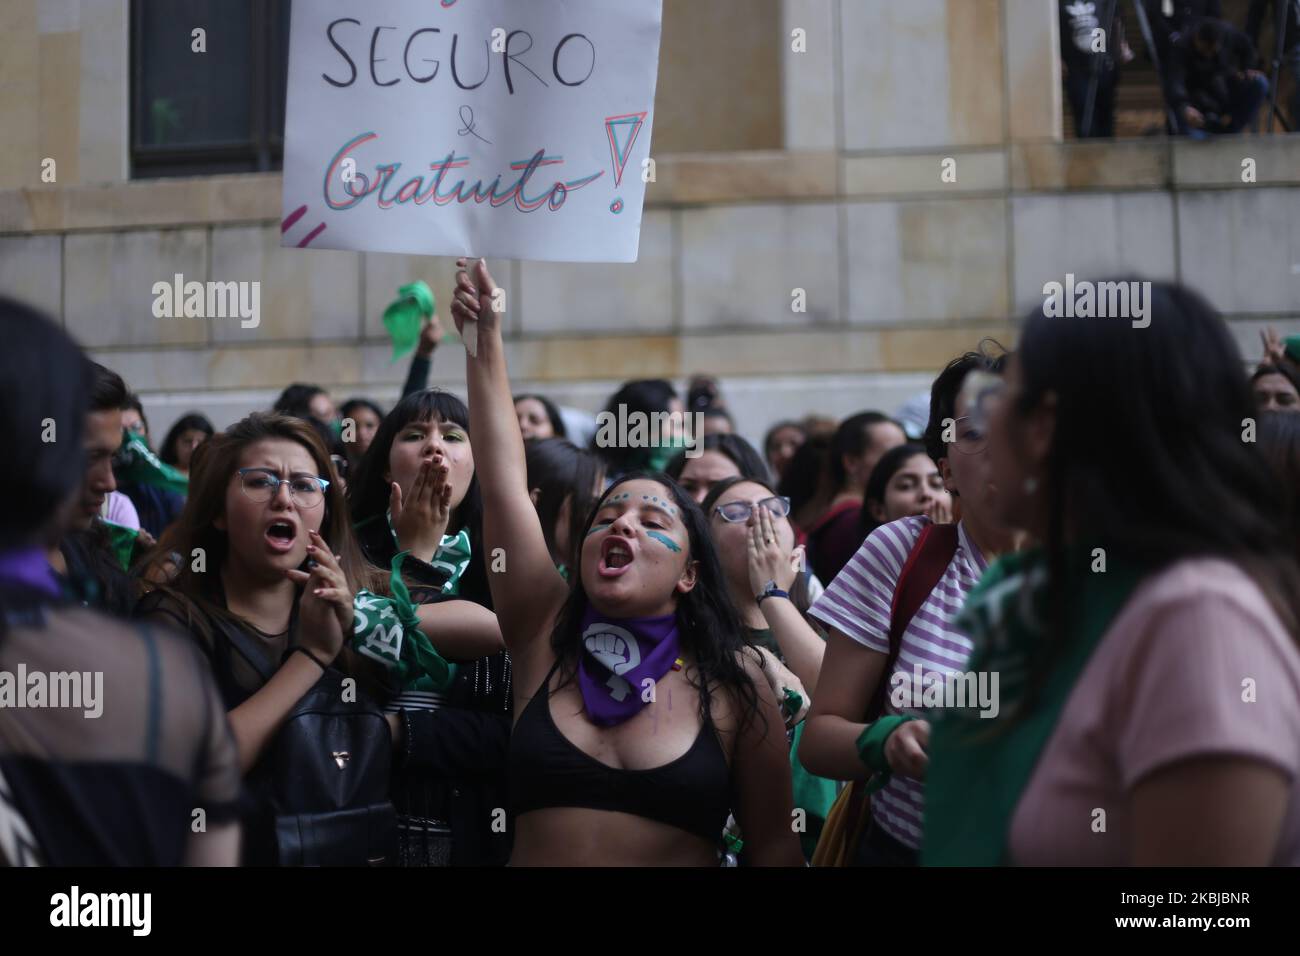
266	550
867	716
751	528
641	720
750	525
1149	712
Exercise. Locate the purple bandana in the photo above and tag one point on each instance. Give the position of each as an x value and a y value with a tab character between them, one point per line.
618	655
28	569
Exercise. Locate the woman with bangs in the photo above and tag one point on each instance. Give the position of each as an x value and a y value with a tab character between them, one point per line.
416	493
603	768
265	550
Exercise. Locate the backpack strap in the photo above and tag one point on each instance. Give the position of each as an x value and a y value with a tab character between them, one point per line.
245	647
921	573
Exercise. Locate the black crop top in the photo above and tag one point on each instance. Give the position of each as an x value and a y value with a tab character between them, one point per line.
692	793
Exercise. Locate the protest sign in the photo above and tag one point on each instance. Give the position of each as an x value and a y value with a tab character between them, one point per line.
470	127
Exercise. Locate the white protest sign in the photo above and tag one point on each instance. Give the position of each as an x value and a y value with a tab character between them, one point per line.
470	127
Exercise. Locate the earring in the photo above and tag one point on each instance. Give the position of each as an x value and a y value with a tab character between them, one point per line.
1030	486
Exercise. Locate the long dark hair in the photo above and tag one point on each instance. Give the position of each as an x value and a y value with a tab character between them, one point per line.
45	380
558	428
369	491
199	592
1279	440
799	589
806	479
1177	422
192	421
710	626
558	469
884	472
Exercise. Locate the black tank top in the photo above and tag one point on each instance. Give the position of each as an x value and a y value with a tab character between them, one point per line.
692	793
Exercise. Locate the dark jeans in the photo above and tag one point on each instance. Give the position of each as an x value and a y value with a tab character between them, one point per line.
1103	113
1246	97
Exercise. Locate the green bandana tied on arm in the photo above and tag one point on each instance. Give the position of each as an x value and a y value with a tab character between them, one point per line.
388	630
136	463
979	768
452	556
415	303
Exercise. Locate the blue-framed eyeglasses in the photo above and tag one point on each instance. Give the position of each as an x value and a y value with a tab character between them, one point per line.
262	484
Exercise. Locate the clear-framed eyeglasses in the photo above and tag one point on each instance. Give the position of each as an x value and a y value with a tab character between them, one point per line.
981	392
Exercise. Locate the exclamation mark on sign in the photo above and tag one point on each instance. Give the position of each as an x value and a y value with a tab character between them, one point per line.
622	131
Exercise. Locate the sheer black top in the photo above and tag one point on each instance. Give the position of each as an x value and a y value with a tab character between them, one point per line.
114	776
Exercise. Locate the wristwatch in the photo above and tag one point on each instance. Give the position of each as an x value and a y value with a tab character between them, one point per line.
771	590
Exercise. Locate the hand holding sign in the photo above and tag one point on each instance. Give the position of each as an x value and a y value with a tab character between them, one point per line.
428	127
475	302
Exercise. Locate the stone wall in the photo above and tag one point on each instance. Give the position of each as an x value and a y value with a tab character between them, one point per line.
901	269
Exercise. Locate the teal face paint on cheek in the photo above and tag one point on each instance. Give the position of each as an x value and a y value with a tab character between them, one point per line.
663	539
597	527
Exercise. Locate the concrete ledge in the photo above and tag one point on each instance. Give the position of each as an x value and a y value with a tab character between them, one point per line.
1106	165
742	177
718	179
923	173
556	359
1220	162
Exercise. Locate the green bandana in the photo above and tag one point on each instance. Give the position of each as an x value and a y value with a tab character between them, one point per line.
136	463
979	768
414	304
388	630
122	540
452	556
657	457
1292	343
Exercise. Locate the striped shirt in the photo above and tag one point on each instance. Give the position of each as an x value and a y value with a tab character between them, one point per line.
857	604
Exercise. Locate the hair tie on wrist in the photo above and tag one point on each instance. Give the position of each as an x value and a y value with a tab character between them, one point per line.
316	660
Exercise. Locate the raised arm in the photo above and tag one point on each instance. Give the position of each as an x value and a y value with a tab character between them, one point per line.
460	630
417	379
528	590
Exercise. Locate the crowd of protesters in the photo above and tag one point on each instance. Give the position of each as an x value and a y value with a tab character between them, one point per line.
451	633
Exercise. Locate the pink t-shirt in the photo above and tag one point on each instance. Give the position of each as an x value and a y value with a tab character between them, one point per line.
1166	683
